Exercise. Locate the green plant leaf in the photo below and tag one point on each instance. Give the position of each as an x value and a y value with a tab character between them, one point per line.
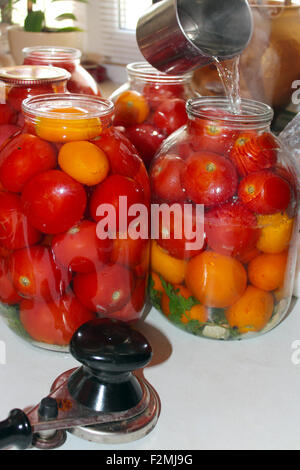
66	16
155	295
69	29
34	21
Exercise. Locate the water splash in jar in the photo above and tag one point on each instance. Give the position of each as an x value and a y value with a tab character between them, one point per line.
229	74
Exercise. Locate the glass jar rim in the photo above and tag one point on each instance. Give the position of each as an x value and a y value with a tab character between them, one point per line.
32	74
147	73
41	106
50	53
254	113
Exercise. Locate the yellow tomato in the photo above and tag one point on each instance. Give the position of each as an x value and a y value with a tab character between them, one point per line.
84	161
276	232
170	268
62	130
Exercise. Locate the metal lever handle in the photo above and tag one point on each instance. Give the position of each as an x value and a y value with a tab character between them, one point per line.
15	431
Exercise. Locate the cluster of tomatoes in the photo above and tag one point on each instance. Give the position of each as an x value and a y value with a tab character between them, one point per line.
11	117
239	273
151	115
53	264
81	81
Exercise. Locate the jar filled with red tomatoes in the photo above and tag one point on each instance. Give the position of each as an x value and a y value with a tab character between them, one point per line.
69	251
68	58
224	242
20	82
151	106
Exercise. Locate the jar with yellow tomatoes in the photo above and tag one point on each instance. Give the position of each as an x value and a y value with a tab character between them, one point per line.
68	58
68	250
150	106
224	245
20	82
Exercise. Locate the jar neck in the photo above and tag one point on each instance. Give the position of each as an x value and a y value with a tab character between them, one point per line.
72	107
53	55
254	115
145	73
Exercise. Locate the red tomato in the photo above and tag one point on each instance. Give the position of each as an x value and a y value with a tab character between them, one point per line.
109	192
253	152
24	157
7	131
147	140
165	177
106	290
122	155
209	178
133	309
15	230
53	201
212	136
264	192
8	293
158	92
35	274
176	245
128	251
17	95
54	322
80	249
170	115
8	115
231	229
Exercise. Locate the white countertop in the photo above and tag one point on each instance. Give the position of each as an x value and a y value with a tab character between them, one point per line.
214	395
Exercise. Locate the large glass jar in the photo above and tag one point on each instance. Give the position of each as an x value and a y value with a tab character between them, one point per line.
223	258
20	82
66	253
271	62
150	106
68	58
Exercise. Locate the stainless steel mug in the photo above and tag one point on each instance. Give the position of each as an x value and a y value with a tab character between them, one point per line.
178	36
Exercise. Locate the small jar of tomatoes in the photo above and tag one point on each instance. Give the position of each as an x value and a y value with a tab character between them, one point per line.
224	248
150	106
20	82
69	251
67	58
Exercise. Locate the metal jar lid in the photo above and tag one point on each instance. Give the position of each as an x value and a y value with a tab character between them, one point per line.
27	75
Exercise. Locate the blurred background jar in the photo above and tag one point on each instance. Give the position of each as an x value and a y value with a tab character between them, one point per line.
68	58
271	62
150	106
20	82
58	267
224	269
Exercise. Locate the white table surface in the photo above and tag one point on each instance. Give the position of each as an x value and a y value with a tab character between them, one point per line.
214	394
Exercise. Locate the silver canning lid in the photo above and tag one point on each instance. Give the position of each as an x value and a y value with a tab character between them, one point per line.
32	74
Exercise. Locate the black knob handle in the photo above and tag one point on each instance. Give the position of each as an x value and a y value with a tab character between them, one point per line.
109	351
15	431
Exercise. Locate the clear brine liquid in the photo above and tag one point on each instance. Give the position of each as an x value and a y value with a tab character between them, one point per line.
230	77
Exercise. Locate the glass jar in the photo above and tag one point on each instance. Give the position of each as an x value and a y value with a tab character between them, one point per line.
150	106
68	58
65	255
271	62
20	82
224	249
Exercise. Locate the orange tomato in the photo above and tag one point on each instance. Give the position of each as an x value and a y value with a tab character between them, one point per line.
252	311
61	129
276	232
267	271
216	280
84	161
131	108
157	284
170	268
197	312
